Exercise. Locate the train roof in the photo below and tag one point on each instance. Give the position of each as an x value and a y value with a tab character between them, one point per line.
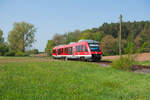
71	43
89	41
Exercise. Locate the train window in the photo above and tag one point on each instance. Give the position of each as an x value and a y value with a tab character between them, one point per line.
85	49
78	48
70	50
65	50
62	50
59	51
54	51
81	48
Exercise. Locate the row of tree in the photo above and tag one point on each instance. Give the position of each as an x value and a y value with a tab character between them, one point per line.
107	35
20	39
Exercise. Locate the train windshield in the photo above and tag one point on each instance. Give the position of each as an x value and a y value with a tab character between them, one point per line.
94	47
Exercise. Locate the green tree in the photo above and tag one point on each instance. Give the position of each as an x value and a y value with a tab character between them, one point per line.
21	36
49	46
1	36
3	49
109	45
3	45
142	38
59	39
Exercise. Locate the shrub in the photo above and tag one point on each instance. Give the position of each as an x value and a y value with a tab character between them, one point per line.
10	53
34	51
124	63
3	49
19	53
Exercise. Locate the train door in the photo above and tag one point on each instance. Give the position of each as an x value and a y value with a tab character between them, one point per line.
73	51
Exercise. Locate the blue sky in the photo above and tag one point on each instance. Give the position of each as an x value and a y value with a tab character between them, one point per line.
60	16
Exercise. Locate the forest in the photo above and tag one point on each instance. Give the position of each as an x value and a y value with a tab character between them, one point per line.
137	32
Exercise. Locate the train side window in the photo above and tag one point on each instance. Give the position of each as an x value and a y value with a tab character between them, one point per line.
78	48
67	50
59	51
54	51
85	48
70	50
81	48
62	50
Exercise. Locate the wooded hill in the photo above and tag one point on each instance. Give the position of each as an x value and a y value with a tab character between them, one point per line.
107	35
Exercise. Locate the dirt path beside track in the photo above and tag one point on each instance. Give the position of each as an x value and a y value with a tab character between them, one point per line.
140	57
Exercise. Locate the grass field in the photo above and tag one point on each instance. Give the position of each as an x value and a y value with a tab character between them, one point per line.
39	79
147	63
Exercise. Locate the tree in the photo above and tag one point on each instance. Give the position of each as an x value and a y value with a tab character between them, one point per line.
21	36
72	36
3	46
59	39
1	36
142	38
98	36
33	51
109	45
49	46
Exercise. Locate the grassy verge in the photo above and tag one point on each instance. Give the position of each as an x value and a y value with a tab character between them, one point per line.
147	63
67	80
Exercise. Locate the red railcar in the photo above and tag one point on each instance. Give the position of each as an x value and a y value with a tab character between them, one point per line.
84	49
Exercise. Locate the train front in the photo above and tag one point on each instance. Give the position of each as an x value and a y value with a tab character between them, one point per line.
95	50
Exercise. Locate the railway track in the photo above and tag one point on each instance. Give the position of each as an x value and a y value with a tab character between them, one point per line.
135	68
103	63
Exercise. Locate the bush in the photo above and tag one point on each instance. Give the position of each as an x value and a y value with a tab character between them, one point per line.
10	53
34	51
19	53
124	63
3	49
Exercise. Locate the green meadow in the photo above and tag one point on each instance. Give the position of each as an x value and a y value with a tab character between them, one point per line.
32	79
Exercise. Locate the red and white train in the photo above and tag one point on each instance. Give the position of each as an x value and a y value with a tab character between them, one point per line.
83	49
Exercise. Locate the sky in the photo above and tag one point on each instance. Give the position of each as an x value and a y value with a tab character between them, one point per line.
60	16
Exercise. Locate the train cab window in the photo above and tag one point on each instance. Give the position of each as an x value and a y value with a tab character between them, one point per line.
81	48
85	48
